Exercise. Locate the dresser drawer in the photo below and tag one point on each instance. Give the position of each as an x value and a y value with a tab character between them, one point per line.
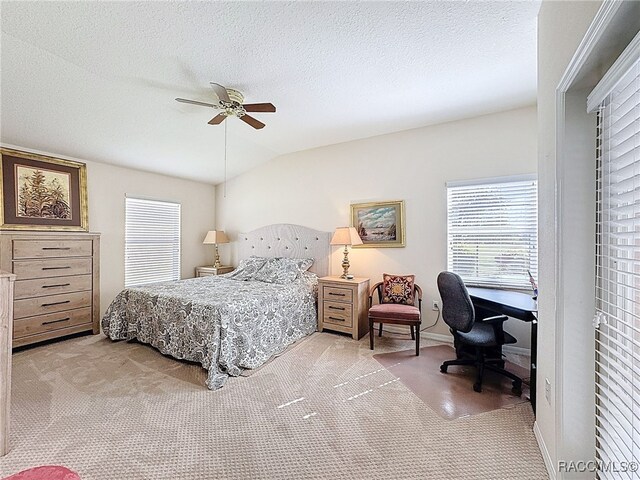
51	248
53	267
337	313
337	294
23	327
50	304
40	287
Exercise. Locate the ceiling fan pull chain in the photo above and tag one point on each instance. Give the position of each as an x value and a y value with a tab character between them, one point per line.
224	188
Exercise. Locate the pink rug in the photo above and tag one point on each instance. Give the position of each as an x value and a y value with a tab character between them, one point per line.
46	472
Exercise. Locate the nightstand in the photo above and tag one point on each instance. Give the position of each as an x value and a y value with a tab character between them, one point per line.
343	305
211	270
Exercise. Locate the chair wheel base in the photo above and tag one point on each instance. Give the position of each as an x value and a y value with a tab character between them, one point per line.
517	388
443	368
477	387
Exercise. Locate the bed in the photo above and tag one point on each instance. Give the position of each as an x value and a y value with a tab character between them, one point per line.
228	323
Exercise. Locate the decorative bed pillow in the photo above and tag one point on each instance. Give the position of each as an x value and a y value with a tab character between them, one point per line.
398	289
282	270
247	268
304	264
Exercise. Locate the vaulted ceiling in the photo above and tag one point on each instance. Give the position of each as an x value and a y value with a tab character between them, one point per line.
97	80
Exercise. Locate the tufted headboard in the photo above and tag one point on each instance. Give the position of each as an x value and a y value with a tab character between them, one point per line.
286	240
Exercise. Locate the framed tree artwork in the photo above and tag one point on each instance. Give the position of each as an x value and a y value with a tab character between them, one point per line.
42	193
379	224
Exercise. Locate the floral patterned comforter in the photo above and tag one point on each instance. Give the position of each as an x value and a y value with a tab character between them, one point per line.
224	324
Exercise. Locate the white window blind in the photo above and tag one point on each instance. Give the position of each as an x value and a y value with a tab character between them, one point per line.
492	230
618	274
152	241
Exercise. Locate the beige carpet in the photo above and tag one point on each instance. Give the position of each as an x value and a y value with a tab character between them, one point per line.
326	410
451	395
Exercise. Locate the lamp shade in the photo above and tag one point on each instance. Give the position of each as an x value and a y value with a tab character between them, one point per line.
346	236
216	236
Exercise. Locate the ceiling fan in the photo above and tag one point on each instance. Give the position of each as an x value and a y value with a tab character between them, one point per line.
230	102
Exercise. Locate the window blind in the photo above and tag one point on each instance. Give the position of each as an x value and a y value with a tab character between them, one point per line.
152	241
618	277
492	231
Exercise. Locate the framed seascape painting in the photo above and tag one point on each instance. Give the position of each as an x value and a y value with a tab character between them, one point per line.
379	224
42	193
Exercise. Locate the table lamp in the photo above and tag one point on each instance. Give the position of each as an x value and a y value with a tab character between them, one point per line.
215	237
346	236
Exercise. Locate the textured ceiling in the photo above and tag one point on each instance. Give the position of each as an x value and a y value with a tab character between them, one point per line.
97	80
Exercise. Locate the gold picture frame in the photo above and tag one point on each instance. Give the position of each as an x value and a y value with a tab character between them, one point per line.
379	224
40	192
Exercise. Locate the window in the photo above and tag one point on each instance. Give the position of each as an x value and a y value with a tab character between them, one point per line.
618	266
152	241
492	231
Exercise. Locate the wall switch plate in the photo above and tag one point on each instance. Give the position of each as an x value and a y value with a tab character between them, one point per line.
435	305
547	390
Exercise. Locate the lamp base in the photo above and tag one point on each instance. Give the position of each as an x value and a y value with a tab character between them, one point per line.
345	265
216	262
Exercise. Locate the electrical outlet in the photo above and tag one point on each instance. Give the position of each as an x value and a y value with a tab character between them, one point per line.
547	390
435	305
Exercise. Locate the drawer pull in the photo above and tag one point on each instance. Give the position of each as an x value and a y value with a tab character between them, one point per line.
54	303
336	308
56	321
56	248
58	285
338	319
337	294
54	268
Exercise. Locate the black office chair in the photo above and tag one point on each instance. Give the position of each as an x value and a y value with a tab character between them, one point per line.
477	342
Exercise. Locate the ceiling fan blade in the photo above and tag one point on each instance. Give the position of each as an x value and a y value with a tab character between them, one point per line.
221	92
194	102
218	119
260	107
252	121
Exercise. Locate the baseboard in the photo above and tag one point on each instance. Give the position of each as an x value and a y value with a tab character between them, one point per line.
548	463
439	337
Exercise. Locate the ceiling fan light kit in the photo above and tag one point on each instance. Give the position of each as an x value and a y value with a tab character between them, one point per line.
230	101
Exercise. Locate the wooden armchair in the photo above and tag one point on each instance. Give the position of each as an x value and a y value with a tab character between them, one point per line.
396	313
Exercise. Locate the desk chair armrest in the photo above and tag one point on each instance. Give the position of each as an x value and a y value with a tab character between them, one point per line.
497	324
498	319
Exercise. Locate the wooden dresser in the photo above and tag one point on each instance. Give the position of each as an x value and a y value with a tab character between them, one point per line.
57	289
343	305
6	322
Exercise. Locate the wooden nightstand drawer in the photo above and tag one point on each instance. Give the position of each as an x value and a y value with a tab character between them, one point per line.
338	294
208	271
338	313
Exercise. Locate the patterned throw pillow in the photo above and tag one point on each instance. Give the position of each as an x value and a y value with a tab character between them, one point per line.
398	289
303	264
282	270
247	268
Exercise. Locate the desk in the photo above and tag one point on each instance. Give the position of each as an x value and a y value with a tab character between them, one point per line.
516	305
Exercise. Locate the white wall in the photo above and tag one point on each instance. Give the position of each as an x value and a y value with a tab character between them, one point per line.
315	188
107	186
561	27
